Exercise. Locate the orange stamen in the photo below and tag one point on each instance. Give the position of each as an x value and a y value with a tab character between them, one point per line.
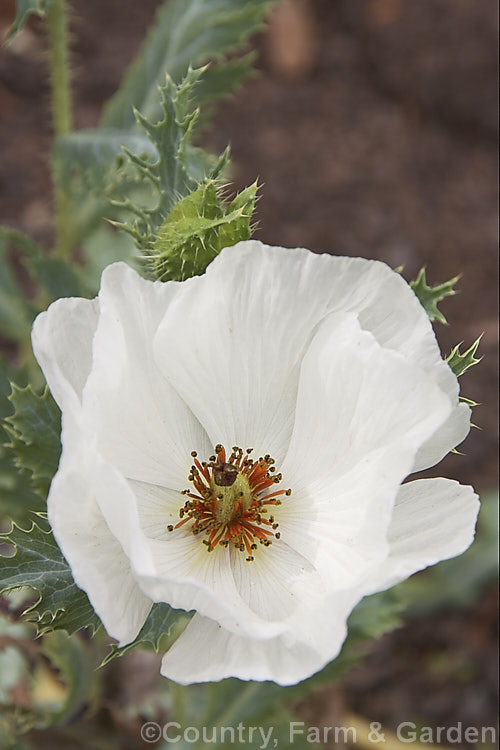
246	526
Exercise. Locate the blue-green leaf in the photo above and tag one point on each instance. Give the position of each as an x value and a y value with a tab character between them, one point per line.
459	362
93	153
18	500
430	296
39	563
34	430
163	623
185	32
171	176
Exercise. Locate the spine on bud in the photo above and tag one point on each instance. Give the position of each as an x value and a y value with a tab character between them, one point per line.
198	228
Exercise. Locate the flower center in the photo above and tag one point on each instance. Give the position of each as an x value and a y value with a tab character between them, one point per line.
230	504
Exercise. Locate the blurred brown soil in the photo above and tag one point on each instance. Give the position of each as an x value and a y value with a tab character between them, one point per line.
372	127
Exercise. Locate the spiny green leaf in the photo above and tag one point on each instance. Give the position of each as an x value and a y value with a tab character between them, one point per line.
39	563
170	135
197	229
171	175
221	81
94	152
95	155
18	501
240	211
94	170
460	363
163	621
430	296
185	32
34	430
8	375
468	401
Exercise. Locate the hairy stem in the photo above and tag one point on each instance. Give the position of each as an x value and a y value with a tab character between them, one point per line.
57	26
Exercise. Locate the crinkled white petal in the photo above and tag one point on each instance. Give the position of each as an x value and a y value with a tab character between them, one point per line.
453	432
329	364
433	520
388	308
141	425
421	534
98	562
233	343
397	319
158	507
206	652
190	577
362	414
278	582
62	343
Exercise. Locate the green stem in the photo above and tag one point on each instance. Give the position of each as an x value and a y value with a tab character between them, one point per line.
57	27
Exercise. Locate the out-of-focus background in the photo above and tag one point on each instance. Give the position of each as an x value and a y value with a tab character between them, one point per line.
372	126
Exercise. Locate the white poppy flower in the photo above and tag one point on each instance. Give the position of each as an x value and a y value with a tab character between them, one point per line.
327	364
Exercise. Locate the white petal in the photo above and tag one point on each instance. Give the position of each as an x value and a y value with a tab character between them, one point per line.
98	563
206	652
362	414
62	343
142	426
233	343
158	507
399	321
434	519
388	308
454	431
277	582
189	577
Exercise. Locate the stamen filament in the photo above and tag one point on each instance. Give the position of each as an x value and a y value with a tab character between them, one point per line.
229	506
